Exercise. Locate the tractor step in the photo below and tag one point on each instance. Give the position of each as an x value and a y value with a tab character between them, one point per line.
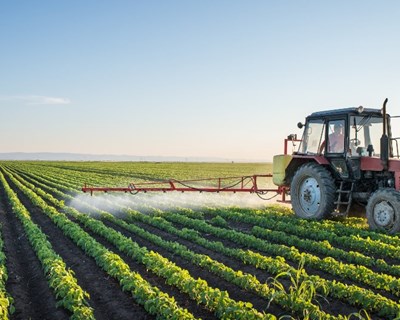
340	202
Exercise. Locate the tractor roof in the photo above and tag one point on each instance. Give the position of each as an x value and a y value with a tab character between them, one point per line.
347	111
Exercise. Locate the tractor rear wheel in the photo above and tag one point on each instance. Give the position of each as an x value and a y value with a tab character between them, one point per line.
312	192
383	210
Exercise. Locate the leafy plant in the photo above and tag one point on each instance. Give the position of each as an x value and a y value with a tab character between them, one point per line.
302	288
219	222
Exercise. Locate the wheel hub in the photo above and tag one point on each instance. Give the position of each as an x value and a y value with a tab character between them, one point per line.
384	214
310	195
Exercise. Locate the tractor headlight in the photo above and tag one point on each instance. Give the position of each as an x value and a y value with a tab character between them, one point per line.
360	109
390	183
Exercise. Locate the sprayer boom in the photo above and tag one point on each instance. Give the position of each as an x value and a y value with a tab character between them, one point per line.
229	184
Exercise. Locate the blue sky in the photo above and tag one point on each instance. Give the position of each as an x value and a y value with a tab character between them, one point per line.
225	79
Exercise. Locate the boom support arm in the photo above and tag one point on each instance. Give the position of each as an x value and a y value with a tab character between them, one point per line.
241	184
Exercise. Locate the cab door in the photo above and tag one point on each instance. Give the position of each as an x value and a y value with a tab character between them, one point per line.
336	146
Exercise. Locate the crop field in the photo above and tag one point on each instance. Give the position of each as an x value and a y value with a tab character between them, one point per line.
69	255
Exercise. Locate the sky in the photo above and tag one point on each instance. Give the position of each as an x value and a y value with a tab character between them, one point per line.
226	79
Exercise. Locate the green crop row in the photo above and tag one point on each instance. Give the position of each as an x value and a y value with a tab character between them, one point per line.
355	236
324	248
352	294
293	235
290	302
153	300
71	296
328	264
246	281
6	301
377	283
198	289
213	298
35	184
46	183
340	228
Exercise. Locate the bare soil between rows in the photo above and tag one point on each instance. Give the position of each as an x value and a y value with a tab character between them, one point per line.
329	304
195	271
106	297
33	299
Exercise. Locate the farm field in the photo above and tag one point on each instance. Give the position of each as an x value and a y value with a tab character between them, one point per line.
69	255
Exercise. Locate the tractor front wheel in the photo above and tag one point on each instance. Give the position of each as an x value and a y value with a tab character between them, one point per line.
383	210
312	192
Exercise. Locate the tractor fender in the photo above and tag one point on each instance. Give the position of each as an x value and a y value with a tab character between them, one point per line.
299	160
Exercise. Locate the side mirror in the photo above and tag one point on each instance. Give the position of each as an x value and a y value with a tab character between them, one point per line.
300	125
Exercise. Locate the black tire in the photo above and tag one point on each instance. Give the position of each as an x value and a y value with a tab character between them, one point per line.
383	210
312	192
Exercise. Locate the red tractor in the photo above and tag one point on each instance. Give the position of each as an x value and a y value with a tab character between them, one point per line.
345	158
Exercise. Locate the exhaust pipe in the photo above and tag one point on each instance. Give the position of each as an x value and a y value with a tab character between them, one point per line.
384	140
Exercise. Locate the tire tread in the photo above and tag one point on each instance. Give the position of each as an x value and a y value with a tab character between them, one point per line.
389	194
327	180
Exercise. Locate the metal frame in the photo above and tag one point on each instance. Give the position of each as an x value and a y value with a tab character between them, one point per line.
243	184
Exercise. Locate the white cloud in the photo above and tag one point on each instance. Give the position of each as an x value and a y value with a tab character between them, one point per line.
36	100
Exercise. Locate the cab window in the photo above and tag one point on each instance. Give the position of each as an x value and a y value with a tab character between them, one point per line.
336	136
312	136
365	134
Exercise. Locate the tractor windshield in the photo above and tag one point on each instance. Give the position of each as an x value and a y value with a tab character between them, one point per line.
312	136
365	134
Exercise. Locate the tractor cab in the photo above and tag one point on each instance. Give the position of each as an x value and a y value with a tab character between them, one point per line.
342	137
349	132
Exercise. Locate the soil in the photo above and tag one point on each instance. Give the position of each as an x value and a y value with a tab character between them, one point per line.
234	291
246	228
33	299
328	304
37	301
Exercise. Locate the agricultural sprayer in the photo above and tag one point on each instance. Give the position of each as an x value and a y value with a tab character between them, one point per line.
345	158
